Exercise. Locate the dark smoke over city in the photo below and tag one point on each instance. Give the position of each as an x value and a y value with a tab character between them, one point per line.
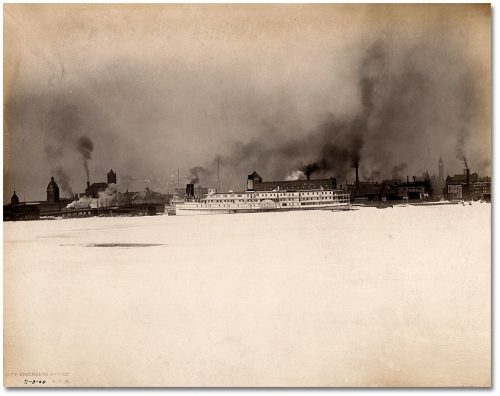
400	104
397	171
63	180
85	148
64	125
395	85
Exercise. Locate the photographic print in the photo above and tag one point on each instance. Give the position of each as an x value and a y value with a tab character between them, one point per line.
247	195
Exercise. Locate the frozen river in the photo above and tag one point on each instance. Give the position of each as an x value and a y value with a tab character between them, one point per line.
393	297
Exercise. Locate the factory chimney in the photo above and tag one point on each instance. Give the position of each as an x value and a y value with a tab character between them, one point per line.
356	166
468	183
88	183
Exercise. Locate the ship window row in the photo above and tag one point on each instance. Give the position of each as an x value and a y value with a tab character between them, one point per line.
289	199
318	193
277	195
316	198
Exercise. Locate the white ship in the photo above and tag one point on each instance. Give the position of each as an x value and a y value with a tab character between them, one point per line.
265	201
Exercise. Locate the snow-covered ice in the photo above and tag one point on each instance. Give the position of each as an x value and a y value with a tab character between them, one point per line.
393	297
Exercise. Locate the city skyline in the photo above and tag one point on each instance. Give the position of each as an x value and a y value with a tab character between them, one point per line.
146	93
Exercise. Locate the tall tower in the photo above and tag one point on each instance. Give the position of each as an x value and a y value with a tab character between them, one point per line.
52	191
441	172
111	177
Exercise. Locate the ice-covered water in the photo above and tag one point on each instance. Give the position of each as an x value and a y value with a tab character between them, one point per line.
395	297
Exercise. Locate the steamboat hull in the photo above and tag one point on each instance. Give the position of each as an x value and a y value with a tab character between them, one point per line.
190	210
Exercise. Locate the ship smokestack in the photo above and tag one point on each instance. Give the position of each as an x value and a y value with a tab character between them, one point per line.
250	184
190	190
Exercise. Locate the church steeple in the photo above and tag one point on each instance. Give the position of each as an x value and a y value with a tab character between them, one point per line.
14	200
111	177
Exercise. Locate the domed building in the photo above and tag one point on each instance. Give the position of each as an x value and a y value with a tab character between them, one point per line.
32	210
52	191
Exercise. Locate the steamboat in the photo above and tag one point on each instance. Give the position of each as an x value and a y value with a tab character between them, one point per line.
320	194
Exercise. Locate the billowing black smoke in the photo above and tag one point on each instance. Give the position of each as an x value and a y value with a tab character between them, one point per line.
335	145
62	179
396	171
85	147
309	169
198	172
65	125
344	139
54	156
375	176
460	147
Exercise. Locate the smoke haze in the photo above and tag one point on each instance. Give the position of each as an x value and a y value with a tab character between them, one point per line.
277	89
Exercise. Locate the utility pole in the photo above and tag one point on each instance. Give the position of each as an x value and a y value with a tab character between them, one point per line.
218	175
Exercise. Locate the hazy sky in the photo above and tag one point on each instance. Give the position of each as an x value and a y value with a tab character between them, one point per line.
148	89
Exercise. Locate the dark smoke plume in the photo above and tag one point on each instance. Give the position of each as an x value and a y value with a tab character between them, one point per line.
461	148
85	147
461	156
309	169
65	126
196	173
63	180
397	169
53	153
375	175
401	98
344	139
199	174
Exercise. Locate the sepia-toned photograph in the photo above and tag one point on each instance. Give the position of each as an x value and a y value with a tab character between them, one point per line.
247	195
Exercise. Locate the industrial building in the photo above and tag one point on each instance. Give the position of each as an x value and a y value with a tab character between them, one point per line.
109	202
468	186
128	203
93	190
416	189
149	198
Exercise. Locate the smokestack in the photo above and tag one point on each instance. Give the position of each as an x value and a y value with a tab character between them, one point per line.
88	183
356	166
308	176
190	190
250	186
468	182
